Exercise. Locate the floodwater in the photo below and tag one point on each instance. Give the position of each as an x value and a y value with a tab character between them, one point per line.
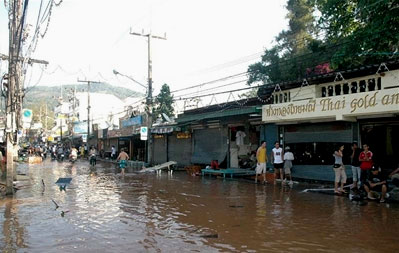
104	212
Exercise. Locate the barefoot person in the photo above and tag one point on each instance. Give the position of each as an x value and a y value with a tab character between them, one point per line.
278	161
123	157
339	169
261	158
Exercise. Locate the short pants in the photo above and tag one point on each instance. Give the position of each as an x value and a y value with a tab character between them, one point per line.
261	168
278	165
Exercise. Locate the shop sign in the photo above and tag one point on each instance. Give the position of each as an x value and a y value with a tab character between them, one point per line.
344	107
158	136
100	134
128	131
143	133
84	137
132	121
183	135
80	127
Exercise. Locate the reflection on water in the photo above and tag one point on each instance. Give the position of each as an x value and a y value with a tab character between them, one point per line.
104	212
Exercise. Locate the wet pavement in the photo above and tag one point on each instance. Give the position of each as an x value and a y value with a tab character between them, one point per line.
104	212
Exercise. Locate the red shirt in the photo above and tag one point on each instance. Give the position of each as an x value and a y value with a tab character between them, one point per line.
366	165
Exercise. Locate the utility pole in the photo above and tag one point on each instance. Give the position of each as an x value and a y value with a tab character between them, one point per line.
149	93
88	105
14	65
15	93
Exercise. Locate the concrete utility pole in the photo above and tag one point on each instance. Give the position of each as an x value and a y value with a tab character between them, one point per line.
149	94
88	105
15	93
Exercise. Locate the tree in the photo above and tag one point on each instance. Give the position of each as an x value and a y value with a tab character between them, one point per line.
368	30
163	102
281	62
354	33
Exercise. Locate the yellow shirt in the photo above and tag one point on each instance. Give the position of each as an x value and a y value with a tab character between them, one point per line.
262	158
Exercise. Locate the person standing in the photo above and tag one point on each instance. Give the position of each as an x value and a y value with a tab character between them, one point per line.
355	165
261	157
123	157
366	163
288	158
278	162
339	169
113	152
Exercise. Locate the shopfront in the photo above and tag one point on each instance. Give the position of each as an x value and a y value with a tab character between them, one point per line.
314	126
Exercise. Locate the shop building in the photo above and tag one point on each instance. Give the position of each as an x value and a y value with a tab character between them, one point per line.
315	115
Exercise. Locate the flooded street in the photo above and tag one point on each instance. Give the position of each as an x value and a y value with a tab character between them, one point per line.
104	212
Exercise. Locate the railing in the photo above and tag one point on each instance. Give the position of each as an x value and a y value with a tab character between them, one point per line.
350	87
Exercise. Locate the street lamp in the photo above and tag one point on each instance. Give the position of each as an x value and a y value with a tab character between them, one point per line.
129	77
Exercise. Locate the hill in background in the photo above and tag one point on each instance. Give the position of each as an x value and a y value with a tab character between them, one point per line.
50	94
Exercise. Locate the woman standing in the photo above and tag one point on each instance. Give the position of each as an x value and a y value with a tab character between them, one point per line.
339	169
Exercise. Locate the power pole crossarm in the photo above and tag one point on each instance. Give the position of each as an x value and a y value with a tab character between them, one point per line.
30	60
88	105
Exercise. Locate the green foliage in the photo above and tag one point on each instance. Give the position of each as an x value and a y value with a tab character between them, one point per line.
163	102
351	33
280	63
367	29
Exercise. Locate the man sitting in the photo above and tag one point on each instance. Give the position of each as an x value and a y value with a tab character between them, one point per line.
376	182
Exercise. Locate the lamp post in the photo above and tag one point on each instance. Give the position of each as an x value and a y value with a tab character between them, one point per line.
148	111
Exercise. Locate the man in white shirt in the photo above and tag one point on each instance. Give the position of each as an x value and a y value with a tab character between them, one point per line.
278	162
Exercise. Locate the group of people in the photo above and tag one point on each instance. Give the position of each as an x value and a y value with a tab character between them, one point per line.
282	162
367	175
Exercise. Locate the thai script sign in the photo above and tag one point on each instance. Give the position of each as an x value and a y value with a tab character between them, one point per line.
340	107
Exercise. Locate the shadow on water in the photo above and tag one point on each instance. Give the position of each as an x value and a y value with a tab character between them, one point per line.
106	212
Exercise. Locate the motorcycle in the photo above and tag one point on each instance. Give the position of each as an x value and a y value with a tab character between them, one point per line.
93	160
61	157
72	159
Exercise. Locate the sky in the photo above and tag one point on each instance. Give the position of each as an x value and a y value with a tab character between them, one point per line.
206	40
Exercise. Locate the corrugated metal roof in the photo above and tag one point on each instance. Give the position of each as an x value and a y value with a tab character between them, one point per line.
217	114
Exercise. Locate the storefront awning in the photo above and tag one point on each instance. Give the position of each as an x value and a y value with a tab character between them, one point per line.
165	129
217	114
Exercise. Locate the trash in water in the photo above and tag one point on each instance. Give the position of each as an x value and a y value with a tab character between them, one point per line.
210	236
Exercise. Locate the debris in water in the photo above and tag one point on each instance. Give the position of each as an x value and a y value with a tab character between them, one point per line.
56	205
210	236
236	206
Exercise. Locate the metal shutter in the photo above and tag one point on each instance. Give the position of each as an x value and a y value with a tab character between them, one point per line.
179	150
209	144
159	151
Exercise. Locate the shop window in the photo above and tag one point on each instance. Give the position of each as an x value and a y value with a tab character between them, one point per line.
345	88
330	91
371	84
285	97
354	87
317	153
323	92
276	99
362	85
337	89
281	98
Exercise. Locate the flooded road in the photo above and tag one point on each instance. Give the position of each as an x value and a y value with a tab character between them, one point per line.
104	212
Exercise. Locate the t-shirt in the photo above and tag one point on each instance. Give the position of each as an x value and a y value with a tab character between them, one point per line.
277	154
240	135
355	160
288	156
338	159
262	158
366	165
376	178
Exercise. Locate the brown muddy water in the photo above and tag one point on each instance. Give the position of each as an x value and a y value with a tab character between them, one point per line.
104	212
